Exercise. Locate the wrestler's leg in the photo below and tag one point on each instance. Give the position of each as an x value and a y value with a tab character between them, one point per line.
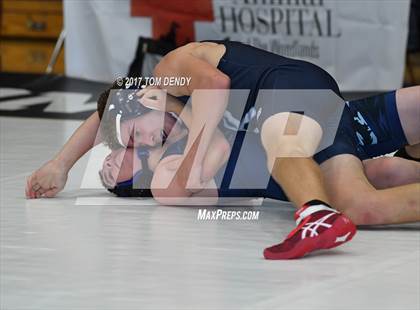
352	194
386	172
408	107
290	140
411	152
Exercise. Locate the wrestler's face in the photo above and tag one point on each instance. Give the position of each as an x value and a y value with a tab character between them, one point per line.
119	166
150	129
112	167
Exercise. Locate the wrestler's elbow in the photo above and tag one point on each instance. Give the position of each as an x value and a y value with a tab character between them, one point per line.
170	196
164	190
221	81
159	69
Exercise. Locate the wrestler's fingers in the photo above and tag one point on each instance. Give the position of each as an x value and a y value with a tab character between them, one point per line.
30	184
36	187
50	193
155	94
40	192
144	91
27	193
149	103
32	180
37	194
28	181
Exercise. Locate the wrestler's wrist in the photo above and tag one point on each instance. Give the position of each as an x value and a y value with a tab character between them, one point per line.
62	163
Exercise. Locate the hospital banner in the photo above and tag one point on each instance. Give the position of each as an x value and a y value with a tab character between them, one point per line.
360	43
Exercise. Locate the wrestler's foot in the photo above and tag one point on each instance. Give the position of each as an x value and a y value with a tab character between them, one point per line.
318	227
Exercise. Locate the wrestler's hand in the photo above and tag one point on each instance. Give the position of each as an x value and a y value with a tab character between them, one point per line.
153	97
47	181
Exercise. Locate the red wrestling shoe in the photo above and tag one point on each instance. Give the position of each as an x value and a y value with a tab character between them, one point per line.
318	227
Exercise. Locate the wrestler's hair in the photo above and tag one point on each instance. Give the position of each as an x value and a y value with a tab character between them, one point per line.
107	127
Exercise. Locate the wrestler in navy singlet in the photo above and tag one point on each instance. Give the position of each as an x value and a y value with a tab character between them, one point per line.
368	127
254	69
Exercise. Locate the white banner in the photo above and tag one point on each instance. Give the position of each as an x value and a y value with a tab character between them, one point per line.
360	43
101	38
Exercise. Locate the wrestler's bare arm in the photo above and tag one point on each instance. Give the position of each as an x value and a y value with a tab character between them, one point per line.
219	149
208	89
51	178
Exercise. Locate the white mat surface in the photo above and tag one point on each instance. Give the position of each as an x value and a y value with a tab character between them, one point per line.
59	254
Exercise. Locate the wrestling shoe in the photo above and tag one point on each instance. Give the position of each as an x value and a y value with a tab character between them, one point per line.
317	227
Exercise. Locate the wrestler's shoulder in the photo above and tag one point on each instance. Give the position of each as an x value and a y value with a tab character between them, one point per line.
203	50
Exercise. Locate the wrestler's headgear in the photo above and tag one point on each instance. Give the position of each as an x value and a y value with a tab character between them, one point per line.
123	105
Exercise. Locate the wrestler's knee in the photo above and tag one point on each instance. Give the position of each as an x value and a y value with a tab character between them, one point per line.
389	171
290	135
382	170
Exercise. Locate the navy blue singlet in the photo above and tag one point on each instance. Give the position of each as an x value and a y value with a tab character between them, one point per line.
254	69
368	127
